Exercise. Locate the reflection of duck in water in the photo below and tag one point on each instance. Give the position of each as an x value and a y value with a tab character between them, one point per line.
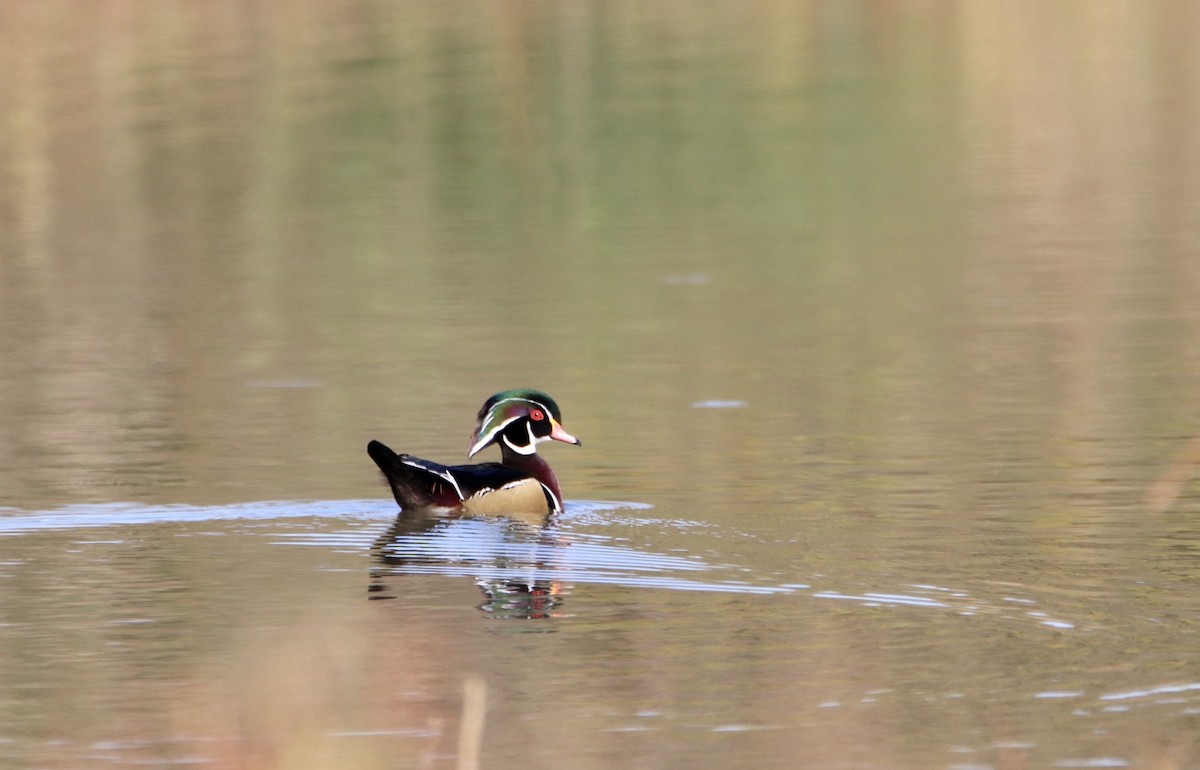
431	533
522	482
516	561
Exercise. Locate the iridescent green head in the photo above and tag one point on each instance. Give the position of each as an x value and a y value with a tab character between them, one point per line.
518	419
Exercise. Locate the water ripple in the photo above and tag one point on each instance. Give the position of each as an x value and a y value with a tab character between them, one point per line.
508	555
14	521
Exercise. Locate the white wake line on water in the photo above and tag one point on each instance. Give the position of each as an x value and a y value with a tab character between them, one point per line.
610	577
480	547
15	521
1163	689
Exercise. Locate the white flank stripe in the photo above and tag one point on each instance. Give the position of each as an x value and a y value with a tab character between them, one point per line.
442	474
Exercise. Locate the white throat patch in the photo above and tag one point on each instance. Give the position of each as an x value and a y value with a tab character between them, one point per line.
527	449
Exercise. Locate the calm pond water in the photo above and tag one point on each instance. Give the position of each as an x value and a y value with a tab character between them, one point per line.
878	322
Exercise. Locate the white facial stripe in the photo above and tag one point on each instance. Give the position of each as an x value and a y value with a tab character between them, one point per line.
496	406
487	438
491	434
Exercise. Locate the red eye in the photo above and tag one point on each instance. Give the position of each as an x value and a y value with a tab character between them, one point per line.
537	414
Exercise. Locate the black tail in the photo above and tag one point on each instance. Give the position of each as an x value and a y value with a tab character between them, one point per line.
412	487
382	454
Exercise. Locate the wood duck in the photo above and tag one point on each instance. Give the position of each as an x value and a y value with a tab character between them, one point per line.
522	482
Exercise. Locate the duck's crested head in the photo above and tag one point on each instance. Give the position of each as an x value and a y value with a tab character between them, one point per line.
519	419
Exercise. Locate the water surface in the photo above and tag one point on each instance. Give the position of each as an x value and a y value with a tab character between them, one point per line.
878	323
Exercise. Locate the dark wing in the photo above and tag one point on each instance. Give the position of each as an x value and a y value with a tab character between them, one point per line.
415	483
418	483
477	479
